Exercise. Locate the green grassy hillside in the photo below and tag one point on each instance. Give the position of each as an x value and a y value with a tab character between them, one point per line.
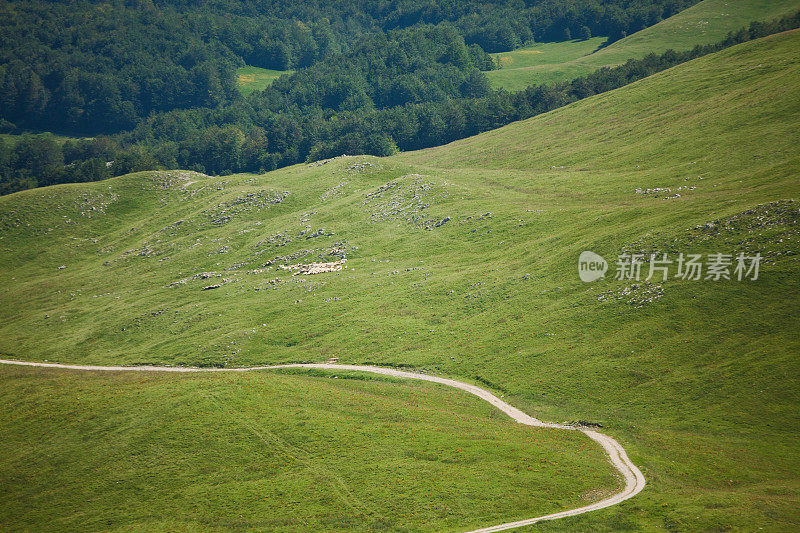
273	451
704	23
462	260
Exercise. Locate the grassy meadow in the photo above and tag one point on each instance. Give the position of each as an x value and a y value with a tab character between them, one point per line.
518	66
461	260
274	451
252	79
704	23
547	53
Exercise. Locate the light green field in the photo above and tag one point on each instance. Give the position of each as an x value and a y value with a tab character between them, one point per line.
697	379
704	23
517	65
252	79
276	452
547	53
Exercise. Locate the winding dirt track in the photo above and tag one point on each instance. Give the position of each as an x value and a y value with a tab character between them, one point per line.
634	480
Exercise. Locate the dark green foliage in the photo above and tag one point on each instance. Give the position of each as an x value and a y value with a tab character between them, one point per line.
39	160
134	159
40	154
87	68
160	77
409	90
321	111
90	67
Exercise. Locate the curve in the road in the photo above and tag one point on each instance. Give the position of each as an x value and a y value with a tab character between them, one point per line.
634	480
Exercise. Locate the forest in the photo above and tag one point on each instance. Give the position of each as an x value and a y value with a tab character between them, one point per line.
152	84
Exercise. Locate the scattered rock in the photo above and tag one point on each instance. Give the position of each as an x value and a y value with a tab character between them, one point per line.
358	167
771	229
254	201
404	198
90	203
661	190
334	191
319	233
638	294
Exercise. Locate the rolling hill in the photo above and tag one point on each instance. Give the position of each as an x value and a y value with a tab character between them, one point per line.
704	23
462	260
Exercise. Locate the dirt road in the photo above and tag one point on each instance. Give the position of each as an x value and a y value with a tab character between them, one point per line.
634	480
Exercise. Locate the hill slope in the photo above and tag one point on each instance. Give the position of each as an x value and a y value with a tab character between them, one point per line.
462	260
704	23
271	451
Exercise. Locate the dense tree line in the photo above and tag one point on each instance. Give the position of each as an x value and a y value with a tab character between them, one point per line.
260	134
496	25
96	66
30	160
382	71
82	68
405	88
288	124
